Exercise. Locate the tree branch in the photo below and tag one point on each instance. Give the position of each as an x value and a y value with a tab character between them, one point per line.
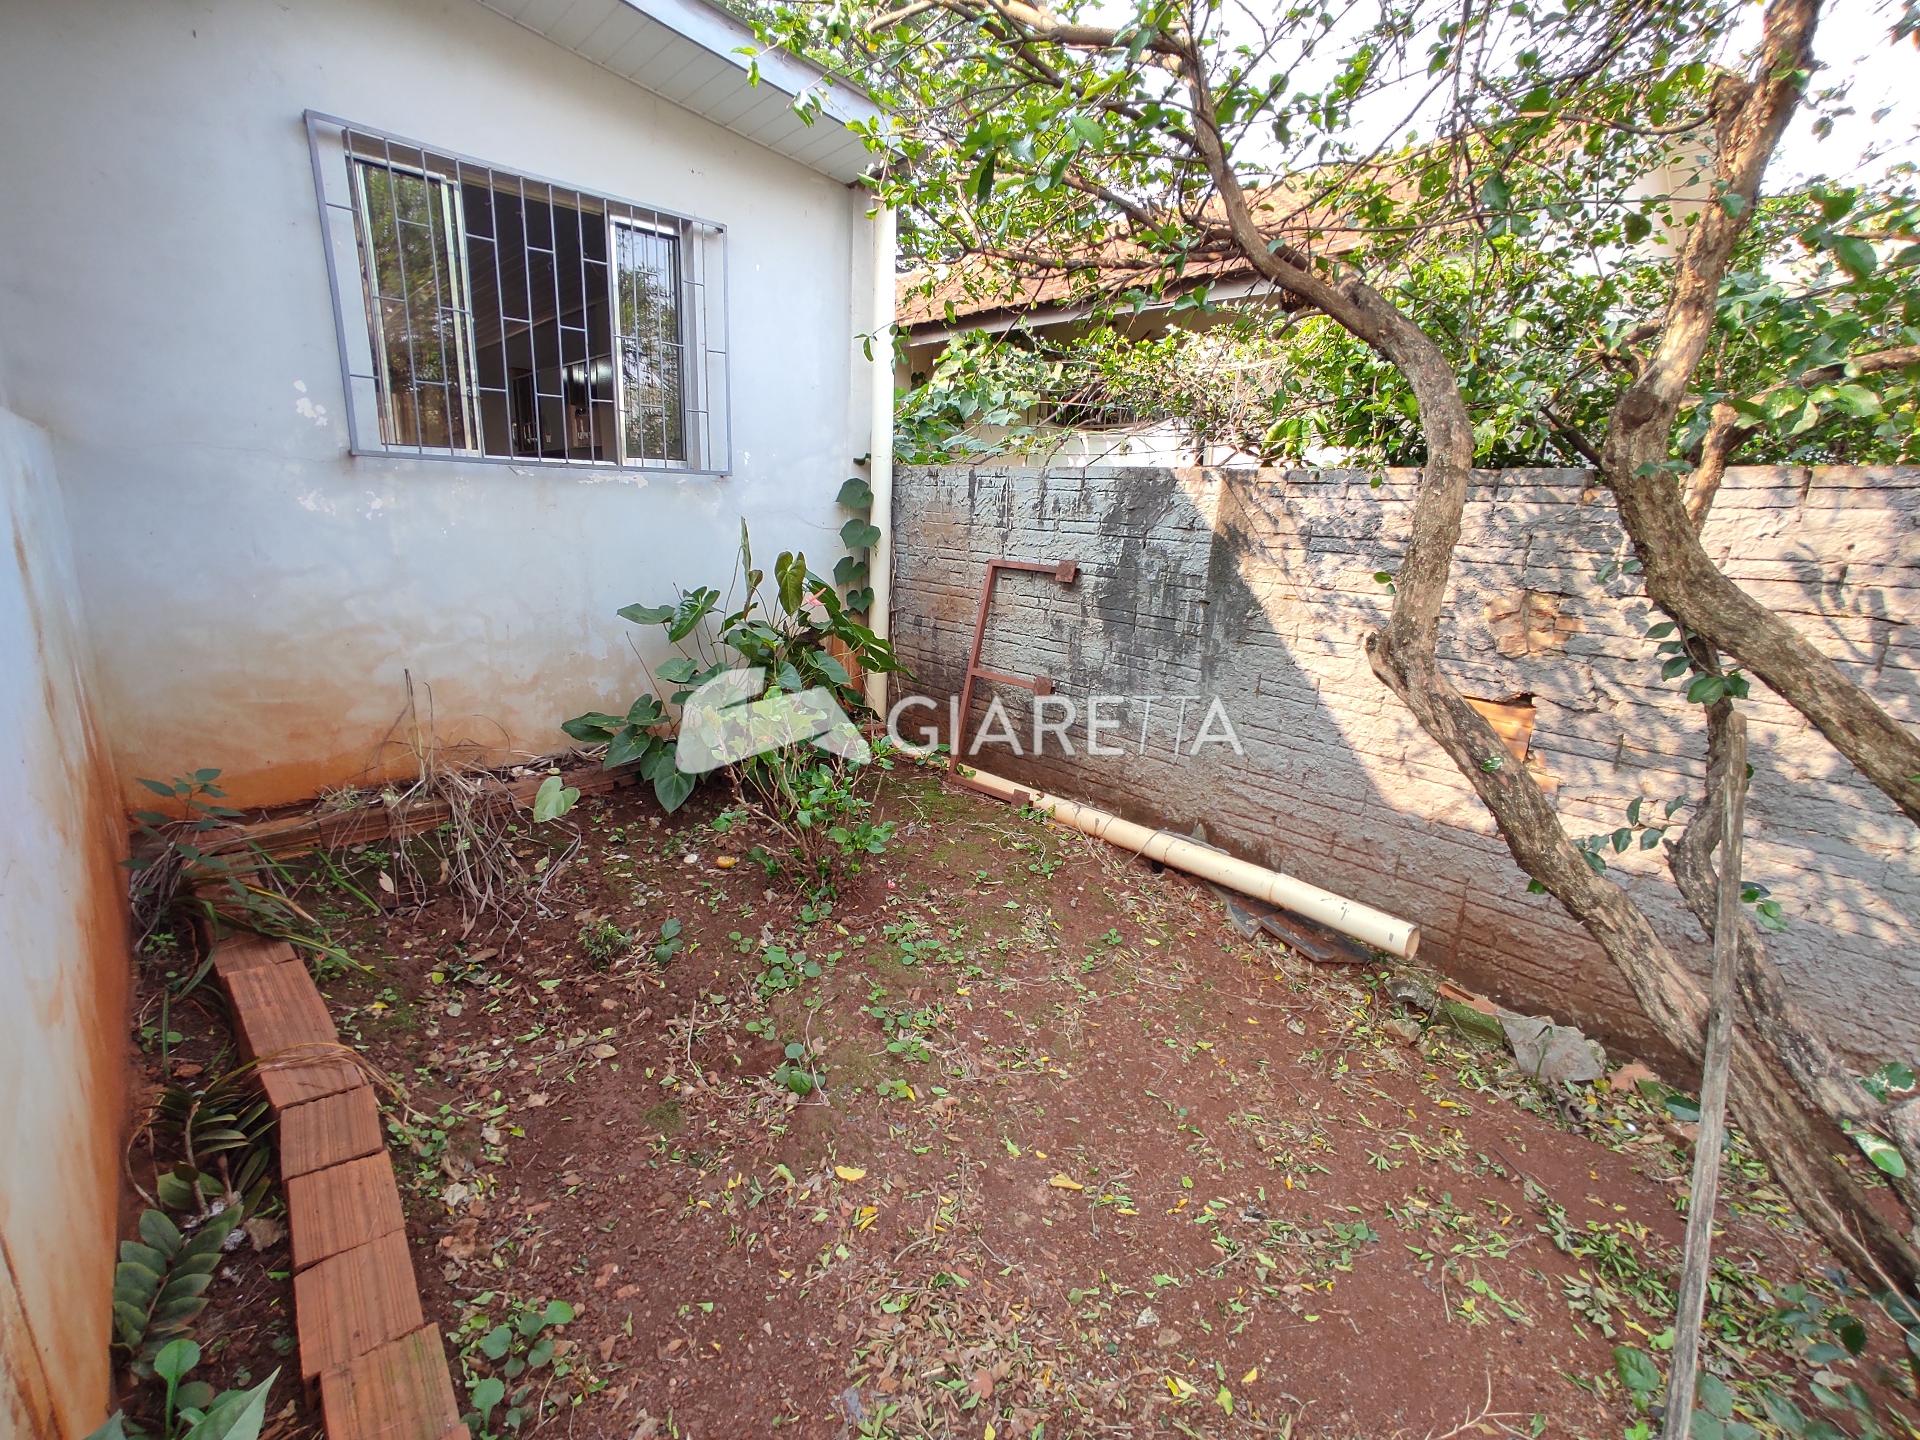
1726	434
1680	577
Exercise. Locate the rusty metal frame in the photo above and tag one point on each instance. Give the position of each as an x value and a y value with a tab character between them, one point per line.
1065	572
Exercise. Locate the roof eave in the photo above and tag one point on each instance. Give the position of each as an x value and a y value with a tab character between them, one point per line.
627	38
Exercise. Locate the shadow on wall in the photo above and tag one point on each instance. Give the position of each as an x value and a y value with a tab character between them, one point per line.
1257	587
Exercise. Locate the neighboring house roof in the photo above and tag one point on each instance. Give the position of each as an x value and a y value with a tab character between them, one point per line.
703	59
978	294
987	295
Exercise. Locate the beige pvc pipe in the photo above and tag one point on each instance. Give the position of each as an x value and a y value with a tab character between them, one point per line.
880	445
1347	917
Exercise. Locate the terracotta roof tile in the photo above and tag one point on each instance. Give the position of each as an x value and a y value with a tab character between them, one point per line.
978	288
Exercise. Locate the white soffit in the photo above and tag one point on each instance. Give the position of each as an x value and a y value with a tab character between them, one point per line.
688	51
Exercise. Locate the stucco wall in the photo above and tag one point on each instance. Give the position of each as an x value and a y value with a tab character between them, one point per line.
1258	586
63	965
256	594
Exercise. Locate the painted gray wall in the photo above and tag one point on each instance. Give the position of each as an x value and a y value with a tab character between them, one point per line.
1258	586
255	593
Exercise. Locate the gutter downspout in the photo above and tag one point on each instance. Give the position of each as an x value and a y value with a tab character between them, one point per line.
880	445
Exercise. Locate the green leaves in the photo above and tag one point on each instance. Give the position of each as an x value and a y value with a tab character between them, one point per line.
236	1415
1856	256
628	746
856	494
787	635
1885	1157
174	1359
672	788
1856	400
1767	913
1639	1374
858	534
486	1395
160	1284
1896	1077
499	1354
790	580
553	799
1711	689
592	728
646	614
694	607
232	1415
832	669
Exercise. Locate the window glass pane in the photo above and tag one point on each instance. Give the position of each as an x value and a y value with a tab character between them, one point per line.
652	369
509	318
416	305
541	321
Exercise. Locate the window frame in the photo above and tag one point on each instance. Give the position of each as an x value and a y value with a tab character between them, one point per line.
699	346
466	355
692	382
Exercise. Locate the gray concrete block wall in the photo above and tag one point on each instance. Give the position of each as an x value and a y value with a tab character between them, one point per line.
1258	587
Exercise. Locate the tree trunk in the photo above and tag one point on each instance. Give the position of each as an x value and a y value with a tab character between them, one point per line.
1823	1079
1771	1106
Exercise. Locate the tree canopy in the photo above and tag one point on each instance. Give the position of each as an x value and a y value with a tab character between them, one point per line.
1500	230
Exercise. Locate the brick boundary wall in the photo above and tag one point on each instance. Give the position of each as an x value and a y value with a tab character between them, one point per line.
1258	586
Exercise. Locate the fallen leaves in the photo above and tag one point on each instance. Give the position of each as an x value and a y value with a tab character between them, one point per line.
1064	1181
850	1173
459	1244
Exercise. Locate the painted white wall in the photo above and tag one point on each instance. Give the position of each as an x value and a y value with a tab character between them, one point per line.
63	963
256	594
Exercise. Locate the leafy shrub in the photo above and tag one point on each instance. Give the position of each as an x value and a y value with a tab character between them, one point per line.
190	1410
160	1284
802	636
669	944
510	1364
604	942
221	1128
241	889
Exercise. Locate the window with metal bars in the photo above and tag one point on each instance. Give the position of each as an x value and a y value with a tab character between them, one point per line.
503	318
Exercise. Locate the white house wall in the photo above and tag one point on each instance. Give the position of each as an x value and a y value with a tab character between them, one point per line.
257	595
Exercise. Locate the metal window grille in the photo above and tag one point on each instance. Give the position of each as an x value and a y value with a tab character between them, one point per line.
485	315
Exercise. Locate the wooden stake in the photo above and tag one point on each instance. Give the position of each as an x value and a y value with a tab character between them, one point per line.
1690	1308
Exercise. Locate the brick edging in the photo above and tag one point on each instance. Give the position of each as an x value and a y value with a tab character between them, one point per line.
380	1369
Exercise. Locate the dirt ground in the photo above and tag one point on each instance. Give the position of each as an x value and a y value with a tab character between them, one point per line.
1073	1158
